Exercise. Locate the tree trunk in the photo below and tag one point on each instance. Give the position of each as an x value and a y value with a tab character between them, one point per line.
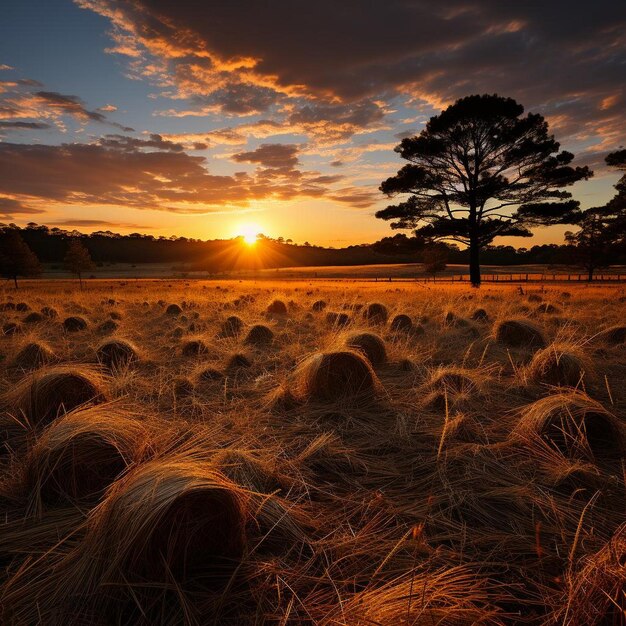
15	281
474	263
590	275
80	280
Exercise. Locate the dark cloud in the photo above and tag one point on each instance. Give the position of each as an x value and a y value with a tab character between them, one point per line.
79	223
16	125
270	155
10	208
155	141
544	54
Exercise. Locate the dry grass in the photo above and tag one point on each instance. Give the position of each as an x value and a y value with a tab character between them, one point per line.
311	453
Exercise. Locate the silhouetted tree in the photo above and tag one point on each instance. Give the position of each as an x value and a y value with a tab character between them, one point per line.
77	259
591	247
435	259
16	258
480	170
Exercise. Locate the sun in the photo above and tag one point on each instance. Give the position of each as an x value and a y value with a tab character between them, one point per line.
249	232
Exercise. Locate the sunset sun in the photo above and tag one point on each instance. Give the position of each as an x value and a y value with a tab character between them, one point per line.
249	233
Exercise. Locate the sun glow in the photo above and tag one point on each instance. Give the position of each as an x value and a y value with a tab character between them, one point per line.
249	233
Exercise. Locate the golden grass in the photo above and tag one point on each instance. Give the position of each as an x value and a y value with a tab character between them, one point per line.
311	452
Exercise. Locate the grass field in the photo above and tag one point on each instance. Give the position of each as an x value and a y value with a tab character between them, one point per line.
335	453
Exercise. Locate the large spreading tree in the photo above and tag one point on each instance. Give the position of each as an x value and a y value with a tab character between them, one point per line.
16	258
480	170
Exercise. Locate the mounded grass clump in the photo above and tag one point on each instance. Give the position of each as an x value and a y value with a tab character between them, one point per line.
237	361
232	327
259	335
52	391
11	328
107	327
376	313
332	376
401	323
338	320
117	353
319	305
7	306
576	425
371	345
49	312
450	318
480	315
194	347
78	456
277	307
74	323
34	318
210	374
33	355
169	521
547	308
173	309
22	306
519	334
612	336
557	364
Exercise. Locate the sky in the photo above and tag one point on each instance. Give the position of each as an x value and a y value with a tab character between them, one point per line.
209	119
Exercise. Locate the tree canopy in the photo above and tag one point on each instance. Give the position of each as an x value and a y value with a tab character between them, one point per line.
16	258
480	170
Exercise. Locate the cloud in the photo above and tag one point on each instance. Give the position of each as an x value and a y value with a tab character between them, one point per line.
80	223
319	57
10	208
17	125
270	155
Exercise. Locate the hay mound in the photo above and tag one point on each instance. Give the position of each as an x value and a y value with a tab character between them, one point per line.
576	425
277	307
34	318
33	355
480	315
74	324
612	336
376	313
339	320
169	520
331	376
115	315
22	306
371	345
173	309
194	347
210	374
450	318
107	327
11	328
519	334
49	312
319	305
182	387
237	361
557	365
231	327
117	353
401	323
534	297
52	391
7	306
454	381
78	456
259	335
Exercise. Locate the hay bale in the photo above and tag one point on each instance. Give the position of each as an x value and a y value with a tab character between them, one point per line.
74	323
117	353
376	313
401	323
81	454
115	315
107	327
22	306
182	387
34	318
575	425
547	308
339	320
318	305
259	335
7	306
332	376
210	374
558	365
232	327
237	361
194	347
371	345
169	520
519	334
277	307
33	355
11	328
534	297
49	312
52	391
612	336
450	318
480	315
173	309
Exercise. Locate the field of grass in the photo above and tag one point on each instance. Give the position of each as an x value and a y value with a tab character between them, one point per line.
334	453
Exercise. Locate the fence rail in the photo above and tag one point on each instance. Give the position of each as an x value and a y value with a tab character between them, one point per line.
509	278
